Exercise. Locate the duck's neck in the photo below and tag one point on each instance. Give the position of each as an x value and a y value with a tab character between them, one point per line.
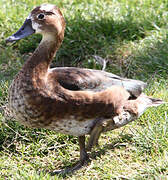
39	62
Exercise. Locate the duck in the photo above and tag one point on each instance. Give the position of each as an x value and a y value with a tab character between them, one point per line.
70	100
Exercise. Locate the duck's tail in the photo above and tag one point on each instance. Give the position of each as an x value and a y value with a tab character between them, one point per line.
154	101
149	101
143	102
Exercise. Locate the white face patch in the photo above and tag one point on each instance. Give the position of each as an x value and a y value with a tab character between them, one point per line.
46	7
36	27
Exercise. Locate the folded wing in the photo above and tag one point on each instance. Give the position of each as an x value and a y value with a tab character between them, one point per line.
78	79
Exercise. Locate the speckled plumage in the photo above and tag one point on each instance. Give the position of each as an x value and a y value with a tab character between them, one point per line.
70	100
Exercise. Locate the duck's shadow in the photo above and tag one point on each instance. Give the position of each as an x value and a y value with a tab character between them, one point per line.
117	143
15	132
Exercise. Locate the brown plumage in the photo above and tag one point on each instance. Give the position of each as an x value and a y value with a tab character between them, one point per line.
70	100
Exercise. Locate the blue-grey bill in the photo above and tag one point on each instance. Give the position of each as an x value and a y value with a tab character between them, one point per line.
24	31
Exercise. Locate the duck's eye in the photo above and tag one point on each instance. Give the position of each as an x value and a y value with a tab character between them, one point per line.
40	16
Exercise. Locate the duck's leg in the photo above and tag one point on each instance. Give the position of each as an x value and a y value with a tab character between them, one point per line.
83	159
104	125
94	136
83	154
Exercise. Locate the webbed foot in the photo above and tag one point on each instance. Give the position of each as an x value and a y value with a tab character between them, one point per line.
83	160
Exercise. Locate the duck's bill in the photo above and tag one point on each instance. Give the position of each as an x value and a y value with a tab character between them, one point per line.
24	31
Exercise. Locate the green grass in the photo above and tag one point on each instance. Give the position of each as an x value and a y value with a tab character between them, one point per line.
132	36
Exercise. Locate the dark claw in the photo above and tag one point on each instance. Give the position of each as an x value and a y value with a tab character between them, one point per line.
78	166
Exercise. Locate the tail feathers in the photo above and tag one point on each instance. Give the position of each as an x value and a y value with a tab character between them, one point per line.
155	102
144	102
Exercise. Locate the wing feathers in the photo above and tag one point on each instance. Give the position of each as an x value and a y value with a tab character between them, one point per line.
76	79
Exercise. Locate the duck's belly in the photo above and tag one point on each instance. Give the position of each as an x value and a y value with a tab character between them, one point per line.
69	125
72	126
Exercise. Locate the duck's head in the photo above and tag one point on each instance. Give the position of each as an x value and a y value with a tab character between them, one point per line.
46	19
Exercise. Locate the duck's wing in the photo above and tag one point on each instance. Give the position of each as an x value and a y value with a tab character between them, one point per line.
80	79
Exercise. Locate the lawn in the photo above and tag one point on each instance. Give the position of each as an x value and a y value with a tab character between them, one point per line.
133	37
